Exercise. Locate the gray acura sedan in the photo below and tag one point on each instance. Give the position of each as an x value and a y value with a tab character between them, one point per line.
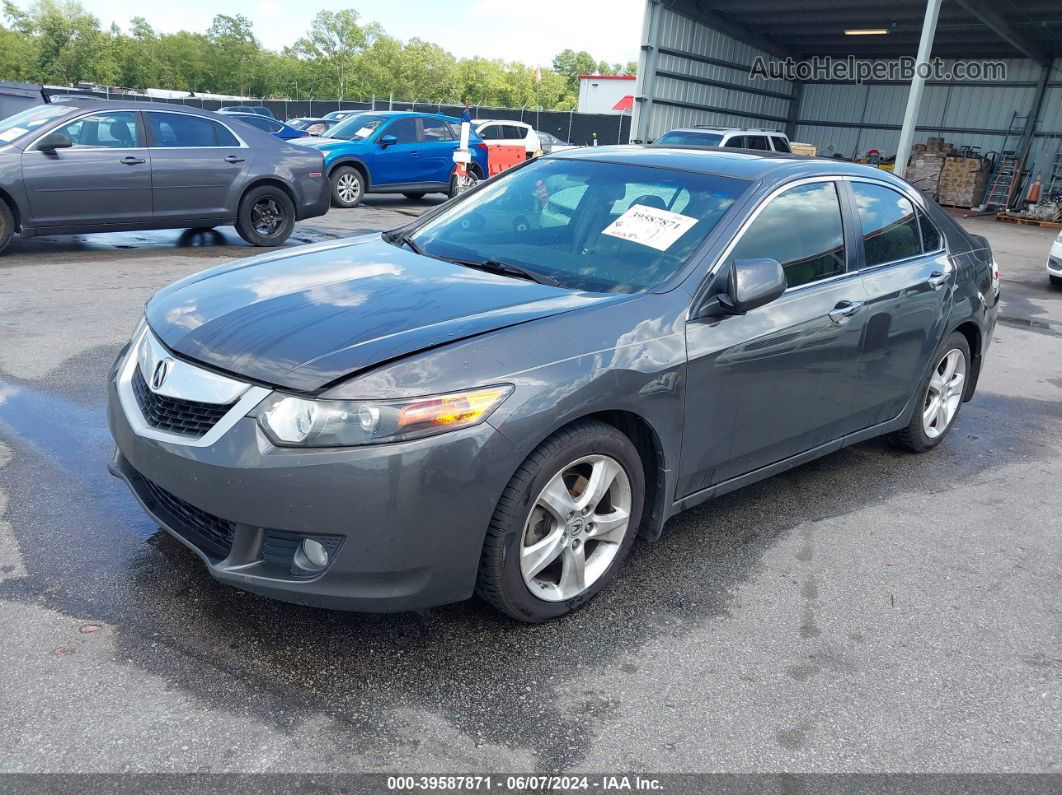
97	166
499	397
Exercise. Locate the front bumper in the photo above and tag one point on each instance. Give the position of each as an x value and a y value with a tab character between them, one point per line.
407	519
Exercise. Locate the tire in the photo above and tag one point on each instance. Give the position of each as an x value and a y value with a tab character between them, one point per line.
7	225
272	228
924	434
521	522
348	187
1056	281
454	190
414	197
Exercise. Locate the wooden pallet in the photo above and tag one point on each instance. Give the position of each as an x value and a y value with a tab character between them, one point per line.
1019	219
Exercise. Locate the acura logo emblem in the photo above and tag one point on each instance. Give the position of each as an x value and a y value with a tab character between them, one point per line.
158	378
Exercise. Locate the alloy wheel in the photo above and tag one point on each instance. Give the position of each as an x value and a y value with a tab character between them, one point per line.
348	186
575	528
266	216
944	394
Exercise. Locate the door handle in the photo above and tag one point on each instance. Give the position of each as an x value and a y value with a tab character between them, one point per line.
233	159
938	279
844	311
414	154
129	160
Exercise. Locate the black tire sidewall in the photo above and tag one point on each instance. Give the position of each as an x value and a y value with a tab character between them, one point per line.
334	187
246	229
1056	281
592	438
7	225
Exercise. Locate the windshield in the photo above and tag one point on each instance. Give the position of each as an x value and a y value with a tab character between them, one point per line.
679	138
356	128
601	227
25	121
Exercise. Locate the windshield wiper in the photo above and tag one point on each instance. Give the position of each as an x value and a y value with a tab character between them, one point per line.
405	239
506	269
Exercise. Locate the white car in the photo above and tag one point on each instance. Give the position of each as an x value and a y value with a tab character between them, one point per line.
1054	262
726	137
502	132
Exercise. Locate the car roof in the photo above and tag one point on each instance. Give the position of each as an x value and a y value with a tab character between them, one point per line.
724	130
738	163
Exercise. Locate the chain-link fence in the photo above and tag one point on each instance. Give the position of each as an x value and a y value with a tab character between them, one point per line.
581	129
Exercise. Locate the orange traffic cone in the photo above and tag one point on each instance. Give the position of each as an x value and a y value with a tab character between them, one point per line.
1034	190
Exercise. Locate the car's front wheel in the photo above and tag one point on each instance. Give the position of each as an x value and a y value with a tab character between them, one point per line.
348	187
940	396
1056	281
7	225
266	216
564	523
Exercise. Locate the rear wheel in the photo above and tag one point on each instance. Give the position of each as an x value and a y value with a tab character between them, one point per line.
266	216
459	185
940	396
348	187
564	524
416	196
7	225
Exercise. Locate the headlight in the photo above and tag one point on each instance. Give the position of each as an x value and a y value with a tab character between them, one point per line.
299	422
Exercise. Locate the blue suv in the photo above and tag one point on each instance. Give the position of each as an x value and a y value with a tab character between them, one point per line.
394	152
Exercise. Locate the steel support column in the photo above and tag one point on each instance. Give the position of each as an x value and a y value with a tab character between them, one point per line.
914	95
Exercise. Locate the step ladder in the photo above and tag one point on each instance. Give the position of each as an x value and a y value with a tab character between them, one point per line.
1007	168
1054	181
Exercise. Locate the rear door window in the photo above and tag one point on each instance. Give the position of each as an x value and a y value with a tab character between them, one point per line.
802	229
757	142
178	130
890	229
436	130
737	142
931	240
780	144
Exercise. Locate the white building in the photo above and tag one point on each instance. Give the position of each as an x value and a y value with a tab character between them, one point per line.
606	93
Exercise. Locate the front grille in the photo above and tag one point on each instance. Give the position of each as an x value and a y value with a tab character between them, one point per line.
186	417
208	532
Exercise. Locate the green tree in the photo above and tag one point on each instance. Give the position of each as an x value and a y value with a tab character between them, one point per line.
70	47
236	53
335	39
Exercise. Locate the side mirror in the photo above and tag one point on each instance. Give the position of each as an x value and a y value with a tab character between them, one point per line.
388	140
751	283
53	141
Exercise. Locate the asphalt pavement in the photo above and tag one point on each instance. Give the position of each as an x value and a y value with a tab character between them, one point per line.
874	611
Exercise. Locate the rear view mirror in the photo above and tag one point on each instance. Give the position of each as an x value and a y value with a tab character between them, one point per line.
53	141
388	140
751	283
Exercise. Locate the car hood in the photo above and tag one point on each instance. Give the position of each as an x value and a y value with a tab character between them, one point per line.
330	143
305	319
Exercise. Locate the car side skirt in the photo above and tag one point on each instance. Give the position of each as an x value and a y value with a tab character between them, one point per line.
749	478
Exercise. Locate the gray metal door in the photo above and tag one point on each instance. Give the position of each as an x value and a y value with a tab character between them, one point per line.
103	179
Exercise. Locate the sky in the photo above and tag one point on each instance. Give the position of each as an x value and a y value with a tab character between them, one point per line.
515	30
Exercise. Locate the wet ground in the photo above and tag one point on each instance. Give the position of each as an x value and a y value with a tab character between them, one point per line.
872	611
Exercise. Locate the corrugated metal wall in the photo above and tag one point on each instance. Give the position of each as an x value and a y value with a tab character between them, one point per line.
849	118
687	91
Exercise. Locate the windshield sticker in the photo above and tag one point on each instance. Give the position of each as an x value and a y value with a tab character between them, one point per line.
13	133
364	132
650	226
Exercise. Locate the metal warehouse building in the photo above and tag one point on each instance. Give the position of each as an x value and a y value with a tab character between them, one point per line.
696	58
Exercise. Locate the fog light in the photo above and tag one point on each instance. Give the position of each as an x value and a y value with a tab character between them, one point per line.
311	555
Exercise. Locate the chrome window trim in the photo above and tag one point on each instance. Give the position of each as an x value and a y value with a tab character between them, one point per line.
146	347
242	143
917	209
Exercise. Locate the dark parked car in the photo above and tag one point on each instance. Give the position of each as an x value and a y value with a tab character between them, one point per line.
98	166
312	126
259	110
276	128
501	395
